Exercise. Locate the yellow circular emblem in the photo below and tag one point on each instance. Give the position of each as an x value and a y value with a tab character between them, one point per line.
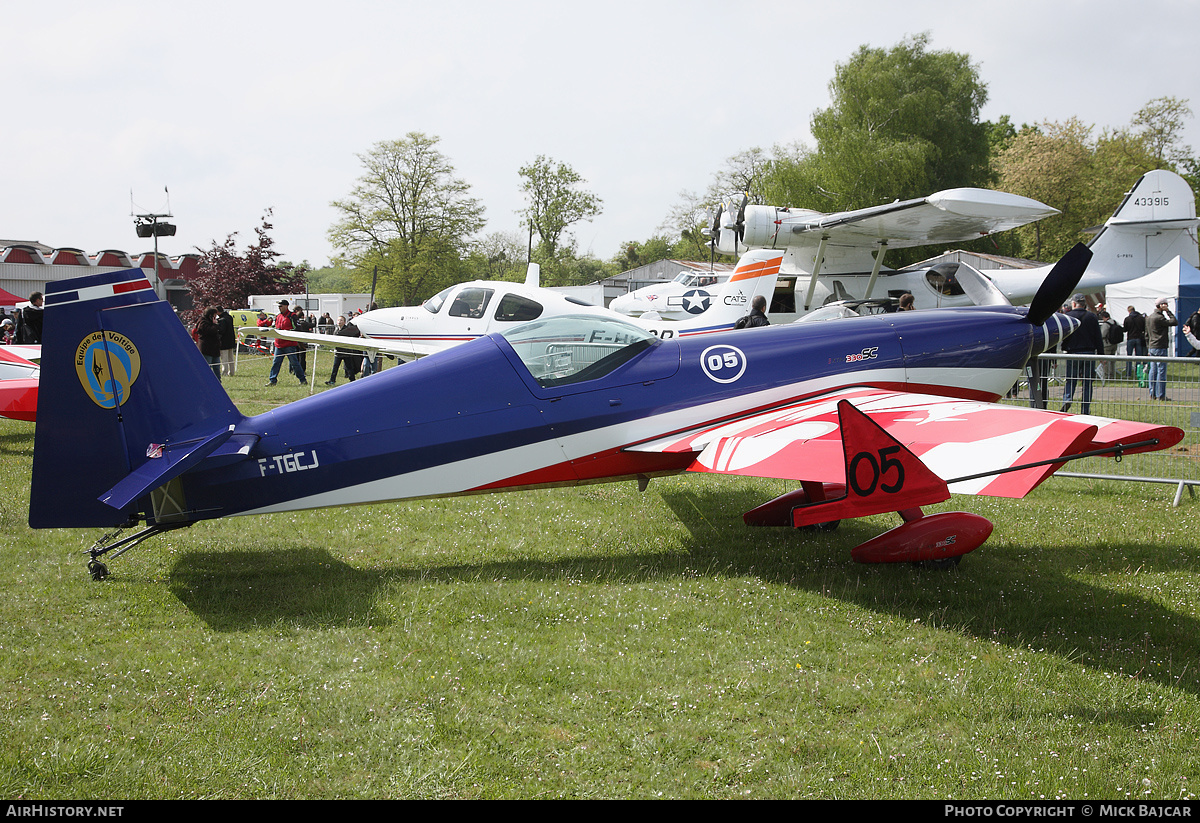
107	363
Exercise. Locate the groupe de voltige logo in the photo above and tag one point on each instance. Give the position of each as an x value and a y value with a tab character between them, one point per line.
107	364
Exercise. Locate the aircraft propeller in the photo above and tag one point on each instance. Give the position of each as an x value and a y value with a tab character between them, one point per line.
739	225
1059	283
1051	295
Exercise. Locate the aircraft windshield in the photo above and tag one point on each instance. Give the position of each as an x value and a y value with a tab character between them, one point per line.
572	348
434	303
689	279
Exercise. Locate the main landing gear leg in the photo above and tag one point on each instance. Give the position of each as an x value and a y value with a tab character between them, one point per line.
109	542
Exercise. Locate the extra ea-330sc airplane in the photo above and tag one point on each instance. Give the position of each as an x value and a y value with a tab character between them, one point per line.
868	415
839	257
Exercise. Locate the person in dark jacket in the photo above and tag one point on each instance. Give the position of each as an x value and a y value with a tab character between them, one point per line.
1135	338
32	317
228	340
208	337
1084	340
757	316
349	359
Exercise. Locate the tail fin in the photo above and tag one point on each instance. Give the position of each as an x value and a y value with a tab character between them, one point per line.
755	276
1155	223
120	377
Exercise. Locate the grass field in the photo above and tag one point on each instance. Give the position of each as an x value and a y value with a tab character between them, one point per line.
601	642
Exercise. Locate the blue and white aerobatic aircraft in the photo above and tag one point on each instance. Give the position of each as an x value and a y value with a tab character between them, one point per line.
868	415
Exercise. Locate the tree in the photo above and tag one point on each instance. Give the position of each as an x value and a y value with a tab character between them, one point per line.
409	218
1050	163
227	278
555	202
1159	125
498	256
330	280
902	123
1083	177
741	175
634	254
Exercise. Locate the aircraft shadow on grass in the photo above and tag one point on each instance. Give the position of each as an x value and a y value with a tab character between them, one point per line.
18	443
232	591
240	590
1155	643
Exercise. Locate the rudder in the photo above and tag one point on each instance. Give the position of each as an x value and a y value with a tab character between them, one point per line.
119	374
1154	223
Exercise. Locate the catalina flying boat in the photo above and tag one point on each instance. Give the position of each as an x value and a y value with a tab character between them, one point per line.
886	413
839	257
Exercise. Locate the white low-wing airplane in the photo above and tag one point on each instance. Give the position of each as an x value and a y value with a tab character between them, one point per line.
469	310
837	257
689	294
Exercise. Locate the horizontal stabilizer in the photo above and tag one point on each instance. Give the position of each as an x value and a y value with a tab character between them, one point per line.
168	462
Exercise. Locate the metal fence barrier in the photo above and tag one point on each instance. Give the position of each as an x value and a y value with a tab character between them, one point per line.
1119	389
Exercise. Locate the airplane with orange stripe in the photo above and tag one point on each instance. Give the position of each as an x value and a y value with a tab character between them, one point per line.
466	311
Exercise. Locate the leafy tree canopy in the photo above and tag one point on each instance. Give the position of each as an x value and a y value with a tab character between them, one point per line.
555	202
1085	177
227	277
903	122
407	223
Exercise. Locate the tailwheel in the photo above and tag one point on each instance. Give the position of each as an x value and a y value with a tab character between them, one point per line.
113	542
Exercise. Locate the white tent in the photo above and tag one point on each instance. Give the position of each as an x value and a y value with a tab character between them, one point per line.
1178	281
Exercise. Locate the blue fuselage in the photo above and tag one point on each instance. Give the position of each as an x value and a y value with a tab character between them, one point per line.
474	419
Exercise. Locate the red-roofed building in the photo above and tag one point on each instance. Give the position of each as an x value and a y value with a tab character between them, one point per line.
26	267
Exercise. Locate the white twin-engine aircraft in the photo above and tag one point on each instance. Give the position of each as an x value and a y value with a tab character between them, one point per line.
831	258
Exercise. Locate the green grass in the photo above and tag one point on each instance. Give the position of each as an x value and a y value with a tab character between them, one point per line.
601	642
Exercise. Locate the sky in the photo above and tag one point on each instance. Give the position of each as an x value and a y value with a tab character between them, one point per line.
218	111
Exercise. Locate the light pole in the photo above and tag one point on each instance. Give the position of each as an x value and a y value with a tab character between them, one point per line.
149	225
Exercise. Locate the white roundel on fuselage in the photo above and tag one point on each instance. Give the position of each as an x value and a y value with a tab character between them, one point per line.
723	363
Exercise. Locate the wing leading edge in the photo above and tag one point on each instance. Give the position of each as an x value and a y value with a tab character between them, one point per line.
944	217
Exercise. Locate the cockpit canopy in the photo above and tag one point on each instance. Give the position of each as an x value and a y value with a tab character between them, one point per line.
471	302
574	347
692	280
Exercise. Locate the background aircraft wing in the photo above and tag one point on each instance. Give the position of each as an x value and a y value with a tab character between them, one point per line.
331	341
947	216
956	439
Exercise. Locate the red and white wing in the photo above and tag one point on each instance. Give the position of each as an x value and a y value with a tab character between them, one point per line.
969	444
